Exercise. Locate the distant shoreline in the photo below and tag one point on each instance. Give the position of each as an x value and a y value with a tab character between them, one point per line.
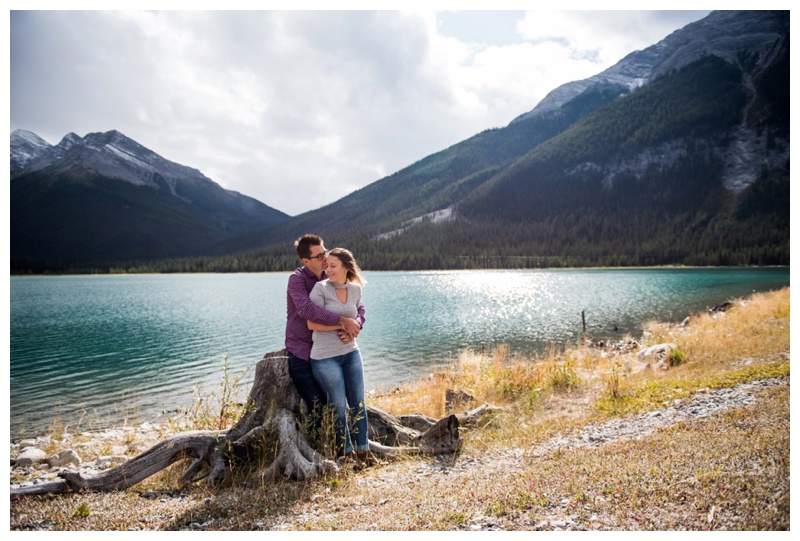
654	267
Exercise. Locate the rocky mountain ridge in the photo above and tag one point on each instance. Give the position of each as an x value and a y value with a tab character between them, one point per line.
110	154
722	33
109	197
26	148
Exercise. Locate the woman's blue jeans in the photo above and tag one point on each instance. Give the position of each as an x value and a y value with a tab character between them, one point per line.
342	379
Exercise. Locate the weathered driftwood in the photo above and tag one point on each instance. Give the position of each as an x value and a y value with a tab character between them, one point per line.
272	413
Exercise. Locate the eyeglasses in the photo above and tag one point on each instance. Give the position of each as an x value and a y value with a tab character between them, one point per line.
319	256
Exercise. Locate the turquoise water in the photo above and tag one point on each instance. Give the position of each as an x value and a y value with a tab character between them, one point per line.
110	348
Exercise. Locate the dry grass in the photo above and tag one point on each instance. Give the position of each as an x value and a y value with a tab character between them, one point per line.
753	328
729	471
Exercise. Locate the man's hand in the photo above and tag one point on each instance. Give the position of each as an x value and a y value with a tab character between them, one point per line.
350	326
350	329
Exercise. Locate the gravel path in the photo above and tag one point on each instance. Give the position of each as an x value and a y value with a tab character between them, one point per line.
706	402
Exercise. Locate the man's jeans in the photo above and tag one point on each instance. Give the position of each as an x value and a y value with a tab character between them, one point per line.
308	388
342	379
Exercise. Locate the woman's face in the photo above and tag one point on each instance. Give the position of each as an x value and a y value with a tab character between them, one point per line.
336	271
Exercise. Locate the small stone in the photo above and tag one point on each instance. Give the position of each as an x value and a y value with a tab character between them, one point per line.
110	461
30	456
64	458
656	352
119	450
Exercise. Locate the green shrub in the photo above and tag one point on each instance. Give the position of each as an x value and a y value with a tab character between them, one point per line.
676	357
563	375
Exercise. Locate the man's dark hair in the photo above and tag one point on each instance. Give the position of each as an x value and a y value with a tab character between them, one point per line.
304	244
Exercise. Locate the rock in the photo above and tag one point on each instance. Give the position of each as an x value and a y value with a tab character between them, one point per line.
30	456
110	461
632	366
720	307
119	450
655	354
67	457
454	400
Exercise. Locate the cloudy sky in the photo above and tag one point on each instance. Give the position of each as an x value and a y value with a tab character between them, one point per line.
300	108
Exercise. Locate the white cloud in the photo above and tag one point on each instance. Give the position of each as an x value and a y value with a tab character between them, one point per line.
300	108
603	37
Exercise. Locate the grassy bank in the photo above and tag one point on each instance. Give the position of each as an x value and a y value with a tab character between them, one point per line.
727	471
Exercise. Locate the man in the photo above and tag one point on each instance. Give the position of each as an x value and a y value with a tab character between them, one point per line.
299	309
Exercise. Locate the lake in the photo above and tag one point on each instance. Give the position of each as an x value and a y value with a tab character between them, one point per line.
105	349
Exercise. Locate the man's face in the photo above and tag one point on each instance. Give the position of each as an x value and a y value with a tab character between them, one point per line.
318	260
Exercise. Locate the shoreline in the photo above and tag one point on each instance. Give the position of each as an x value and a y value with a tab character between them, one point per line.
478	269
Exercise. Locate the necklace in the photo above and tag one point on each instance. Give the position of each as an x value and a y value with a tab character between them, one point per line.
339	286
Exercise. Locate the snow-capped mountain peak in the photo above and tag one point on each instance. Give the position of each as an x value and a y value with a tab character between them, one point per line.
721	33
26	147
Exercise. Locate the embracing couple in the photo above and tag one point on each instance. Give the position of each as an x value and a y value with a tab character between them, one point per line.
324	315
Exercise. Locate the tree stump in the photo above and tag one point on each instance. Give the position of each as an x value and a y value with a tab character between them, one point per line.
269	429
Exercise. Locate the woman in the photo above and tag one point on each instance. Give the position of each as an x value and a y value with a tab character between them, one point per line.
337	364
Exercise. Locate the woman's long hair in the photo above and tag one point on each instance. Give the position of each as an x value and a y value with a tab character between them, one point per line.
349	263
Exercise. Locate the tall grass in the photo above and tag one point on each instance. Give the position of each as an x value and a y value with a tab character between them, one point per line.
220	408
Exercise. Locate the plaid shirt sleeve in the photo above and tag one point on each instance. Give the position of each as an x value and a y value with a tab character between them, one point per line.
305	309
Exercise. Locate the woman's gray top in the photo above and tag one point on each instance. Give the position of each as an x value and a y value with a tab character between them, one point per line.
327	343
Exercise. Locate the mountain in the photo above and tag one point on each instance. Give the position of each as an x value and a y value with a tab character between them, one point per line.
722	33
26	147
678	154
105	197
